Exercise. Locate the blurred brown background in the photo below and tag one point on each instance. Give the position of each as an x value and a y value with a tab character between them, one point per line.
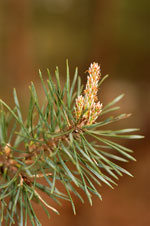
42	34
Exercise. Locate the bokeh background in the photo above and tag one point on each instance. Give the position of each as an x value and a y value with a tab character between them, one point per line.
42	34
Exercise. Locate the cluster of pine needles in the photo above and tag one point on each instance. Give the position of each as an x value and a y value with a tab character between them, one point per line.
61	142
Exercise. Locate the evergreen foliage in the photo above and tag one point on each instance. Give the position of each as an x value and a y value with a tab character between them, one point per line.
60	145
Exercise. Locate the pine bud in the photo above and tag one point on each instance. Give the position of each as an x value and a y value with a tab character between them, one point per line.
88	101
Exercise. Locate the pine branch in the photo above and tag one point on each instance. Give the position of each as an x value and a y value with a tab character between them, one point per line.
53	143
